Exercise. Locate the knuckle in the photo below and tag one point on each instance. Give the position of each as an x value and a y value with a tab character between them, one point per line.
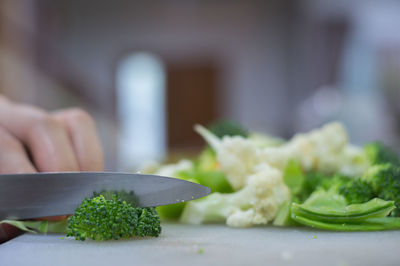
8	142
44	123
48	122
80	115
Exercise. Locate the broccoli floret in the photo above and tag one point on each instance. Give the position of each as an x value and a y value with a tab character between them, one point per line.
353	189
356	190
148	223
379	153
312	181
105	219
385	181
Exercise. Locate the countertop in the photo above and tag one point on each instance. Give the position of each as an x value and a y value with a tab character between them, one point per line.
211	245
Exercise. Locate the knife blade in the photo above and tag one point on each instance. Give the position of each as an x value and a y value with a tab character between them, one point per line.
24	196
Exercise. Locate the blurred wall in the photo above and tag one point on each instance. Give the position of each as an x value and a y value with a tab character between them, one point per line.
247	39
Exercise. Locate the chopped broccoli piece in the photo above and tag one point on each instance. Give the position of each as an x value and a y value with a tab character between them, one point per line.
353	189
379	181
105	219
379	153
148	223
356	190
312	181
227	128
385	181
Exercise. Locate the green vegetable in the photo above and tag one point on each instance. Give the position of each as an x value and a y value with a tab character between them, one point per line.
148	222
43	227
294	177
215	180
356	190
313	181
104	219
385	182
171	211
283	217
256	203
207	160
227	128
204	172
379	153
373	224
328	210
374	208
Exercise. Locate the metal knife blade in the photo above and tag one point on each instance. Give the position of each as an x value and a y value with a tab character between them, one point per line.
24	196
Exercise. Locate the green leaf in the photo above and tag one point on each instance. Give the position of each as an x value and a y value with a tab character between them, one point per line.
39	226
327	206
294	177
20	225
330	211
171	212
283	217
373	224
375	208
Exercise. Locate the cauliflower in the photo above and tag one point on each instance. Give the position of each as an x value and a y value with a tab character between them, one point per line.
256	203
353	161
325	150
171	169
255	172
319	149
236	156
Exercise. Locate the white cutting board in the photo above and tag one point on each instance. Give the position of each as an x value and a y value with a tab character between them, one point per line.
211	245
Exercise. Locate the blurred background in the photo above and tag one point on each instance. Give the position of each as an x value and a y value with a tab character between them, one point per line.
149	70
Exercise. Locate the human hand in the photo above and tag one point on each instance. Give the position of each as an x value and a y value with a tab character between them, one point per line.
33	140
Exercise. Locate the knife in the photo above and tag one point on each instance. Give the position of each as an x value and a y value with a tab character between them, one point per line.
25	196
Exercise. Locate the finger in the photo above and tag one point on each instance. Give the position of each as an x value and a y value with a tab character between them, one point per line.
13	157
45	137
83	134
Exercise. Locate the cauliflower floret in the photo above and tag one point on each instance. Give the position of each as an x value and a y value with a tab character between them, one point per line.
256	203
171	169
319	149
236	156
353	161
325	150
256	173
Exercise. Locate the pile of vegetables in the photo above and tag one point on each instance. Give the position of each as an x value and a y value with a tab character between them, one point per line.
316	179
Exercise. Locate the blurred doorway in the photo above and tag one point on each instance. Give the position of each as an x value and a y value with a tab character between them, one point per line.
158	103
192	92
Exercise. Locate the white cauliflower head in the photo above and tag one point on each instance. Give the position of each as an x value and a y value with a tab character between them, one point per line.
237	156
324	149
257	203
170	170
265	192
